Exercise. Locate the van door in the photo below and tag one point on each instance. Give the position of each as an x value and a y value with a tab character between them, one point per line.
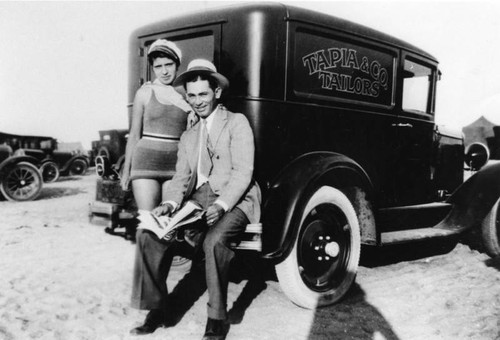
194	43
415	131
343	90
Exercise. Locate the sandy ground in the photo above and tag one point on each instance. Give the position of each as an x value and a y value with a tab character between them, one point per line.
64	278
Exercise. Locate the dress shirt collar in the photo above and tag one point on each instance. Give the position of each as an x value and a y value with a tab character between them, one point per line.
209	120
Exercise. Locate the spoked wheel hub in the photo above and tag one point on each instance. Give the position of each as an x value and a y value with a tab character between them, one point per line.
50	172
21	182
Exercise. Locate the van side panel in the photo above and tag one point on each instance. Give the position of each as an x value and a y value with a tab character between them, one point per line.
284	132
343	91
252	54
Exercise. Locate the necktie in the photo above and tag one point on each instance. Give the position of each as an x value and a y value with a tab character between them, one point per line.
205	155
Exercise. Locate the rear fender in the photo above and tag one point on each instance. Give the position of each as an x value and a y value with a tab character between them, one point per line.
65	166
473	200
290	192
47	160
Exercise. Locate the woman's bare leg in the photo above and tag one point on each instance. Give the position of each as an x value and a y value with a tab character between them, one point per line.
164	188
147	193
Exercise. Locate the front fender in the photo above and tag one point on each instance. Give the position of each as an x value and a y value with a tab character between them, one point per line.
473	200
17	159
83	158
289	193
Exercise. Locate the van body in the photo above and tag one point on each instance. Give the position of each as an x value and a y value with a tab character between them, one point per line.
347	149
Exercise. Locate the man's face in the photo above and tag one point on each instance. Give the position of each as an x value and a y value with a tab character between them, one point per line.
201	97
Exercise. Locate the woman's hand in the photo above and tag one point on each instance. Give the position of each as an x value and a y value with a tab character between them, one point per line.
192	119
125	180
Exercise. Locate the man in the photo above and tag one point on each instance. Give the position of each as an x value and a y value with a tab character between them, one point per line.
214	168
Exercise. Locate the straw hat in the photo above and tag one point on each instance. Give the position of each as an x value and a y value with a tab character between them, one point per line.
202	66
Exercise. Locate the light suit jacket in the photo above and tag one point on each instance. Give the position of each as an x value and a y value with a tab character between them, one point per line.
233	162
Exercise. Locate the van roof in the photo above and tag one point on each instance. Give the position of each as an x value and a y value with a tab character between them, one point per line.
290	13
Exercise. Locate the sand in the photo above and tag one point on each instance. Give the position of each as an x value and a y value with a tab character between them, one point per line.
64	278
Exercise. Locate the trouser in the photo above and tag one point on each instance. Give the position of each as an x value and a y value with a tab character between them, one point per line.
154	257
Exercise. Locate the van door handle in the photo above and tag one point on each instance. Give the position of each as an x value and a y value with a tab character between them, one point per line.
406	125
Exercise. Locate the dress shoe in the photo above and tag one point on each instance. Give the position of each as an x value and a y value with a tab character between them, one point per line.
215	330
155	319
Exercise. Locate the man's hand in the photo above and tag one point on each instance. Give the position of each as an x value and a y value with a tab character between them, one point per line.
214	214
164	209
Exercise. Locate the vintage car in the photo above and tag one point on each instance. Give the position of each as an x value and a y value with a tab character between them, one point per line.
347	149
113	207
111	144
55	163
20	179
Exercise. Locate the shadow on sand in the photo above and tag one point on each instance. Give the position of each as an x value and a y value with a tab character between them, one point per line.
192	286
494	263
55	190
353	317
51	193
257	272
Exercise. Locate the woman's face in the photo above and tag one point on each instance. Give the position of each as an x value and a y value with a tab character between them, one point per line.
165	70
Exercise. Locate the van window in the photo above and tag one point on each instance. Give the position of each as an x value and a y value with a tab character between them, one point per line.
193	46
416	86
334	68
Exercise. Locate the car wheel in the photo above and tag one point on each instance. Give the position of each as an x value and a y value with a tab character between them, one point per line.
22	182
102	166
324	260
78	167
104	152
491	231
50	172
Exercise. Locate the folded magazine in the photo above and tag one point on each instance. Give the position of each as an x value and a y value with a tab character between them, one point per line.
163	225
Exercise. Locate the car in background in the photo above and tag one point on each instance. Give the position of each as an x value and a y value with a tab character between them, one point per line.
55	163
113	207
111	144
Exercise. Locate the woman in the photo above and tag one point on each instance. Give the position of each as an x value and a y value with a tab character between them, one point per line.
159	116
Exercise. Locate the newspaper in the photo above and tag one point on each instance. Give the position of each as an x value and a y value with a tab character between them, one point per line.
164	226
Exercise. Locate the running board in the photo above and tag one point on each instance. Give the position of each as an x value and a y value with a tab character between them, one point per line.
404	236
412	217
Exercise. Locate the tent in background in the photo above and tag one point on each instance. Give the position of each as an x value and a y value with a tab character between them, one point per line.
484	131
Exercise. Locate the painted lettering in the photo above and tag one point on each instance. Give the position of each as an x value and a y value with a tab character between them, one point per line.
383	77
323	63
326	79
309	61
335	56
364	65
339	69
352	61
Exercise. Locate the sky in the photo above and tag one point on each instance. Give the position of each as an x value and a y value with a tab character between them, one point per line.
63	65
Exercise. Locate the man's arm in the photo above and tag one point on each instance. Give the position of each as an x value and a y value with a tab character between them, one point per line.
242	150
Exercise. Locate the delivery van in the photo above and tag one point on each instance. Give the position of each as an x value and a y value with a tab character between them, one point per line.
347	149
